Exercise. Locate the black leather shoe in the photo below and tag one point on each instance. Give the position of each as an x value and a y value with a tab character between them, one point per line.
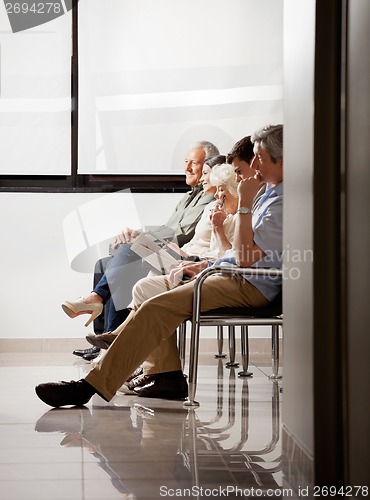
65	393
169	385
83	352
91	356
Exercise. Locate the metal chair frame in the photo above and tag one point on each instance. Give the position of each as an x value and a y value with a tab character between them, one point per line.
217	318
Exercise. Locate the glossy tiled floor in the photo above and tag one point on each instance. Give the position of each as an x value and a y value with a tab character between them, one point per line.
136	447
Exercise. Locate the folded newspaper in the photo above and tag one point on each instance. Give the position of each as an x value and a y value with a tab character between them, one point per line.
148	249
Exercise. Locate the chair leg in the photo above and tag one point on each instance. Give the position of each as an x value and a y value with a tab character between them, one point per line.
231	363
181	343
193	365
275	352
220	343
245	352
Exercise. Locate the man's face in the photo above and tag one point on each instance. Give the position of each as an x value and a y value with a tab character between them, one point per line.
262	163
193	166
242	169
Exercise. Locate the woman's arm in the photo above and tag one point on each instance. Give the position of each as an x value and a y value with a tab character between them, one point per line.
222	243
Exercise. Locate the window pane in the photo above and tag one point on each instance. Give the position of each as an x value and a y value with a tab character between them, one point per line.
157	75
35	104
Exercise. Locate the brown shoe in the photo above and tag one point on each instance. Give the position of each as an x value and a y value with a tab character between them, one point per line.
133	382
135	374
103	340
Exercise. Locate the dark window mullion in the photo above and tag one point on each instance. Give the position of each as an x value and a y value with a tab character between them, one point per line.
75	178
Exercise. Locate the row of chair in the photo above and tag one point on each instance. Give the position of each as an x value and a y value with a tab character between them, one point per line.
231	317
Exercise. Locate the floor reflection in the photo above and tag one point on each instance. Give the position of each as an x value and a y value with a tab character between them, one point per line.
231	461
152	448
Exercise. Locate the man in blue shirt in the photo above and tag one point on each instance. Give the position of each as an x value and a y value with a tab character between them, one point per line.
258	242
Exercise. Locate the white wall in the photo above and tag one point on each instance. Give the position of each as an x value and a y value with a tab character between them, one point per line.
299	47
37	275
36	249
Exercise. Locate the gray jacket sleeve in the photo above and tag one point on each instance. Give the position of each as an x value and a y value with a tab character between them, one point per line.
181	225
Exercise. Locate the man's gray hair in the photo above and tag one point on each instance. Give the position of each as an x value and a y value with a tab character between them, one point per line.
209	148
271	139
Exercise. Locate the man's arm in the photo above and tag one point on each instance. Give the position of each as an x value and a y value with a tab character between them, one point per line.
246	250
181	224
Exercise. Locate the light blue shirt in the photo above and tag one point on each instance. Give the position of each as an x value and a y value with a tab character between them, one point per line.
267	223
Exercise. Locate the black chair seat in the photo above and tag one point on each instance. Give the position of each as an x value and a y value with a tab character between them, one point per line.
244	317
274	308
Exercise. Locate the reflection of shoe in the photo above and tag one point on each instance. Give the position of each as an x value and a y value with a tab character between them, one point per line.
103	340
57	420
65	393
169	385
77	307
72	440
144	412
82	352
96	361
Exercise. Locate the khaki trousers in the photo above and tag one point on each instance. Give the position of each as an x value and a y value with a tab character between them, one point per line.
163	358
149	287
156	321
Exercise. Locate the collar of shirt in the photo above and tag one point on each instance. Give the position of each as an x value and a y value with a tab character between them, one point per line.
265	193
195	190
262	203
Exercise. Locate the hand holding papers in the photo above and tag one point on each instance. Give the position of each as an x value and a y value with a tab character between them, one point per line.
149	250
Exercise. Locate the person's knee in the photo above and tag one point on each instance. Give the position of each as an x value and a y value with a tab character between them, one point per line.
138	292
123	249
124	256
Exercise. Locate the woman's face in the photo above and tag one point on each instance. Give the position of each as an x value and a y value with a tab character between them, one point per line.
222	192
205	180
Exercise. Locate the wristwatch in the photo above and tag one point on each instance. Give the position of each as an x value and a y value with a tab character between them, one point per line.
244	210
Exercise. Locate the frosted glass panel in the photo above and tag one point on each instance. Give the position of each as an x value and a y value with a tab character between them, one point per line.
35	102
157	75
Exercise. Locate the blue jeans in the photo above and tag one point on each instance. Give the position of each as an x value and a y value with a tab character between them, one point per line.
114	279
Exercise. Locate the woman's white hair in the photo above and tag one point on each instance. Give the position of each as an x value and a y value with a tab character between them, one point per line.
224	174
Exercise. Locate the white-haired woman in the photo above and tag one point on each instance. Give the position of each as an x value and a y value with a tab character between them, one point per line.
222	218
